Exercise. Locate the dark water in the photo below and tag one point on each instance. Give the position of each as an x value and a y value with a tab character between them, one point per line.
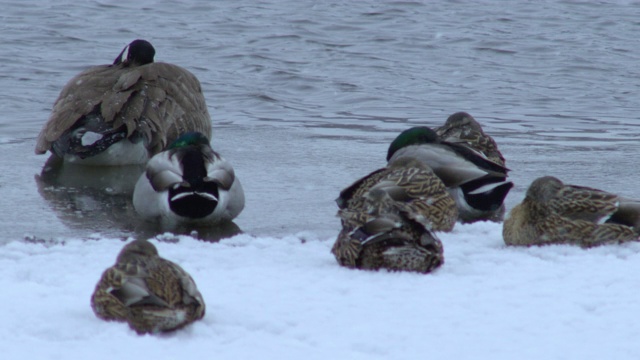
305	96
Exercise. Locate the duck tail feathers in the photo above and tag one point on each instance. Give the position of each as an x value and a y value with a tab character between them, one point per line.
486	194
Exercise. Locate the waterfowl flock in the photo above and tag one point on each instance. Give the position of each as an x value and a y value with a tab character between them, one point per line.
138	111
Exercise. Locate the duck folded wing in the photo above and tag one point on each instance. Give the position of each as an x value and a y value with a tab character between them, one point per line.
190	292
357	188
135	291
163	172
221	173
586	203
453	167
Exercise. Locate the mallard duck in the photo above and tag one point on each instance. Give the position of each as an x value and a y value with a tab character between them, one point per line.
388	217
126	112
412	187
188	183
556	213
477	184
463	128
389	241
150	293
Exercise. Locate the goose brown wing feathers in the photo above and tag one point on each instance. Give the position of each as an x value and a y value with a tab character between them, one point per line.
160	100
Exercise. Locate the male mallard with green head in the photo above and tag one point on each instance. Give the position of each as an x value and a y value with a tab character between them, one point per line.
188	183
477	184
150	293
126	112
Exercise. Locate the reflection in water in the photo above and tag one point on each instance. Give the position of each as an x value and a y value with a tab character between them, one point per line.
98	199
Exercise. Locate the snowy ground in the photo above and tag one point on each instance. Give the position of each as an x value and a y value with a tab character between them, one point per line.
286	298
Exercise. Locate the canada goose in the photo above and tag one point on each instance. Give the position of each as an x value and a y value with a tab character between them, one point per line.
125	112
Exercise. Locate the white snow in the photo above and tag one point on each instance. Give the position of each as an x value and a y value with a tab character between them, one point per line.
286	298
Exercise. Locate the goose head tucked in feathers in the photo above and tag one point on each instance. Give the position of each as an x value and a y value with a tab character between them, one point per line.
138	52
125	112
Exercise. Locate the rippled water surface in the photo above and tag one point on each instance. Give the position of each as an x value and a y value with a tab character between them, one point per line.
305	96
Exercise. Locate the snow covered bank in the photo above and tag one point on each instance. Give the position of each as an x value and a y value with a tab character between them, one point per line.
286	298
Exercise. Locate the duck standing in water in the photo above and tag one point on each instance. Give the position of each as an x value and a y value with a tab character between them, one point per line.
126	112
150	293
188	183
556	213
477	184
389	218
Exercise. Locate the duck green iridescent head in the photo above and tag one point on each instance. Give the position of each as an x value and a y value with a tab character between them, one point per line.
189	138
414	136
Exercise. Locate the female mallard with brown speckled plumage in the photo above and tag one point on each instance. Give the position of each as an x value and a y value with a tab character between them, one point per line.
555	213
413	188
150	293
389	241
462	128
388	217
125	112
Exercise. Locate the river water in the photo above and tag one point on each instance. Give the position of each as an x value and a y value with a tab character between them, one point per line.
305	96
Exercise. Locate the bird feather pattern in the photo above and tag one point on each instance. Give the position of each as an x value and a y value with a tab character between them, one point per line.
555	213
150	293
122	96
412	187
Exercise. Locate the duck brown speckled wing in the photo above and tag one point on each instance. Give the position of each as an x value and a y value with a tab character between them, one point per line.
528	225
583	203
158	100
555	213
389	241
150	293
388	217
412	187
